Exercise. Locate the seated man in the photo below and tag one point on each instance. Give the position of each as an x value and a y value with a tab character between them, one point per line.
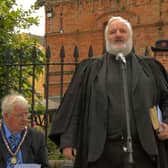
19	143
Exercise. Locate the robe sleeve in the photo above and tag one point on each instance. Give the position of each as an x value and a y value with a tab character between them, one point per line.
162	83
69	105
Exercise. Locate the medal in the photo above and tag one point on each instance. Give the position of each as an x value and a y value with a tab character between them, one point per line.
13	160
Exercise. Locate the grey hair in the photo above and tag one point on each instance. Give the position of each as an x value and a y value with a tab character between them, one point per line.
113	18
9	102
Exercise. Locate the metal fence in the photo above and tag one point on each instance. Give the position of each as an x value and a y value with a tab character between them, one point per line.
20	61
13	64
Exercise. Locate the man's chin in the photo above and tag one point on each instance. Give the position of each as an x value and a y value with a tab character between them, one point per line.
119	47
117	50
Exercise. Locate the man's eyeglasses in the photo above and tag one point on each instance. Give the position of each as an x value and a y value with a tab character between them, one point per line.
22	115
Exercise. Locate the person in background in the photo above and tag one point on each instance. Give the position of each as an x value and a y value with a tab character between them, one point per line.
103	120
19	144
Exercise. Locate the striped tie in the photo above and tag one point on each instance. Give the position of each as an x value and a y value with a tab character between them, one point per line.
13	141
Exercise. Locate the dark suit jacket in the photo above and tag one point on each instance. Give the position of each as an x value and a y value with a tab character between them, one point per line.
33	149
81	102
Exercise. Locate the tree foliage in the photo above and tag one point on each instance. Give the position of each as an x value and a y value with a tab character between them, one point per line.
12	19
16	48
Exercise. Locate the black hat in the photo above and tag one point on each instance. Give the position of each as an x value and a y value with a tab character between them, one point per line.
160	45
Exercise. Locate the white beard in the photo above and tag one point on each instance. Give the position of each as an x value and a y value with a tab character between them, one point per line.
113	49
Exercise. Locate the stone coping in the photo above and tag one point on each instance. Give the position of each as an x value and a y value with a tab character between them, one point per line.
61	163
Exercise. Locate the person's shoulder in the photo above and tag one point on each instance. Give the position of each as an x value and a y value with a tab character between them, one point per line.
149	60
153	63
34	131
93	59
145	58
90	62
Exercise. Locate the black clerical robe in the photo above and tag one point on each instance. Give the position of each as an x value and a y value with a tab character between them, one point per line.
89	106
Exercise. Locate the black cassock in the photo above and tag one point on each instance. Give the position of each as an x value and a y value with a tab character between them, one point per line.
149	87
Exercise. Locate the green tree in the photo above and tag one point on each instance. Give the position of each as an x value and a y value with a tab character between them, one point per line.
16	48
12	19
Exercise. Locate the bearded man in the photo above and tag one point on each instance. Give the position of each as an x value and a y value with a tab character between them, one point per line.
104	120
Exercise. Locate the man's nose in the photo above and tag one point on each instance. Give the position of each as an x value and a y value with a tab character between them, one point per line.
118	33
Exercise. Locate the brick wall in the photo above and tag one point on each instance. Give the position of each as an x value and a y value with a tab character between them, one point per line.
82	23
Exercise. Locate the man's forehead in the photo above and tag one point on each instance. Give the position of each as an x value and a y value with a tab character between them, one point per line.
117	23
20	108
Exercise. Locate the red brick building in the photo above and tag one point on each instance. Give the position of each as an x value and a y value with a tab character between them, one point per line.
82	23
